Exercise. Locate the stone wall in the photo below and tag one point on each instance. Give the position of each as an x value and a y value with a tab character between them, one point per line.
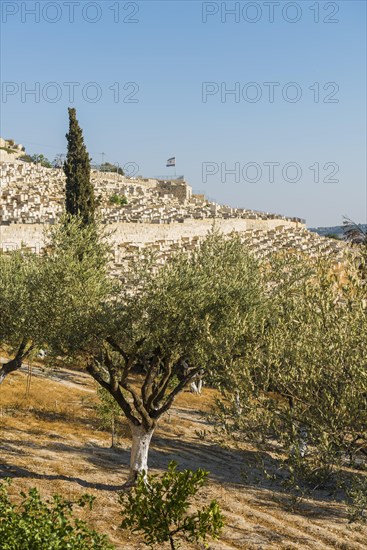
178	189
261	237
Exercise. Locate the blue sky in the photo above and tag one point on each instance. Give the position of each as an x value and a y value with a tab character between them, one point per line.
171	50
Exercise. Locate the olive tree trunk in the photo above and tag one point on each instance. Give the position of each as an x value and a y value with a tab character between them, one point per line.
141	438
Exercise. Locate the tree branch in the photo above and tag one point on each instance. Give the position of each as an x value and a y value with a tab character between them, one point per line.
139	405
117	348
172	396
16	363
160	390
94	371
146	390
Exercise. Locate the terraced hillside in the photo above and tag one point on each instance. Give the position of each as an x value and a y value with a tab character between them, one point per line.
144	213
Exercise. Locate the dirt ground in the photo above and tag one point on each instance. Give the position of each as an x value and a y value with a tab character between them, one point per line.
51	439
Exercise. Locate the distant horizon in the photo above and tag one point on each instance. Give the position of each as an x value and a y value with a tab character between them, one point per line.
362	225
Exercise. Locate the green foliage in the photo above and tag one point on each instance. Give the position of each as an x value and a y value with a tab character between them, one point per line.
107	408
304	382
26	158
58	299
173	322
159	508
200	306
357	235
79	189
42	160
108	167
119	200
354	233
108	411
21	329
45	524
357	495
17	270
36	159
73	287
190	316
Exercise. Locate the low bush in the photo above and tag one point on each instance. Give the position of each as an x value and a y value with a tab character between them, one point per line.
159	508
119	200
45	524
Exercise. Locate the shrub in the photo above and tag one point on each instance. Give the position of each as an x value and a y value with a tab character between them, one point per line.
357	495
333	236
42	160
158	507
119	200
108	167
108	412
26	158
45	525
36	159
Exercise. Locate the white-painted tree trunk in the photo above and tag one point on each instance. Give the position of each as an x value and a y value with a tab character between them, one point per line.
193	387
4	373
141	438
238	403
303	444
196	387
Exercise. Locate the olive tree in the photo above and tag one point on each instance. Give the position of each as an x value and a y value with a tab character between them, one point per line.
148	335
170	325
74	288
19	333
305	383
56	297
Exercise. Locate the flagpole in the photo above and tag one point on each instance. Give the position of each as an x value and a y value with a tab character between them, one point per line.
172	164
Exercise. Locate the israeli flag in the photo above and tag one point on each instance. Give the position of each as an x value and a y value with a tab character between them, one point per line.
171	162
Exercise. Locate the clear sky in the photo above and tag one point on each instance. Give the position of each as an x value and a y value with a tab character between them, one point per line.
151	80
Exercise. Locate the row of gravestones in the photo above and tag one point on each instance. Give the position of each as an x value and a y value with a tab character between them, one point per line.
261	243
34	194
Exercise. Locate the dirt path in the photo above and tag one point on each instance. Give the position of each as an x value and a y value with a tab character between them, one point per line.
71	378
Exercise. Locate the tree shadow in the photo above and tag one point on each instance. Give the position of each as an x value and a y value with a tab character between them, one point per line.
65	416
224	466
7	471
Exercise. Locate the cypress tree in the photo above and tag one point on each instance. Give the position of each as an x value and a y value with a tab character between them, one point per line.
79	190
